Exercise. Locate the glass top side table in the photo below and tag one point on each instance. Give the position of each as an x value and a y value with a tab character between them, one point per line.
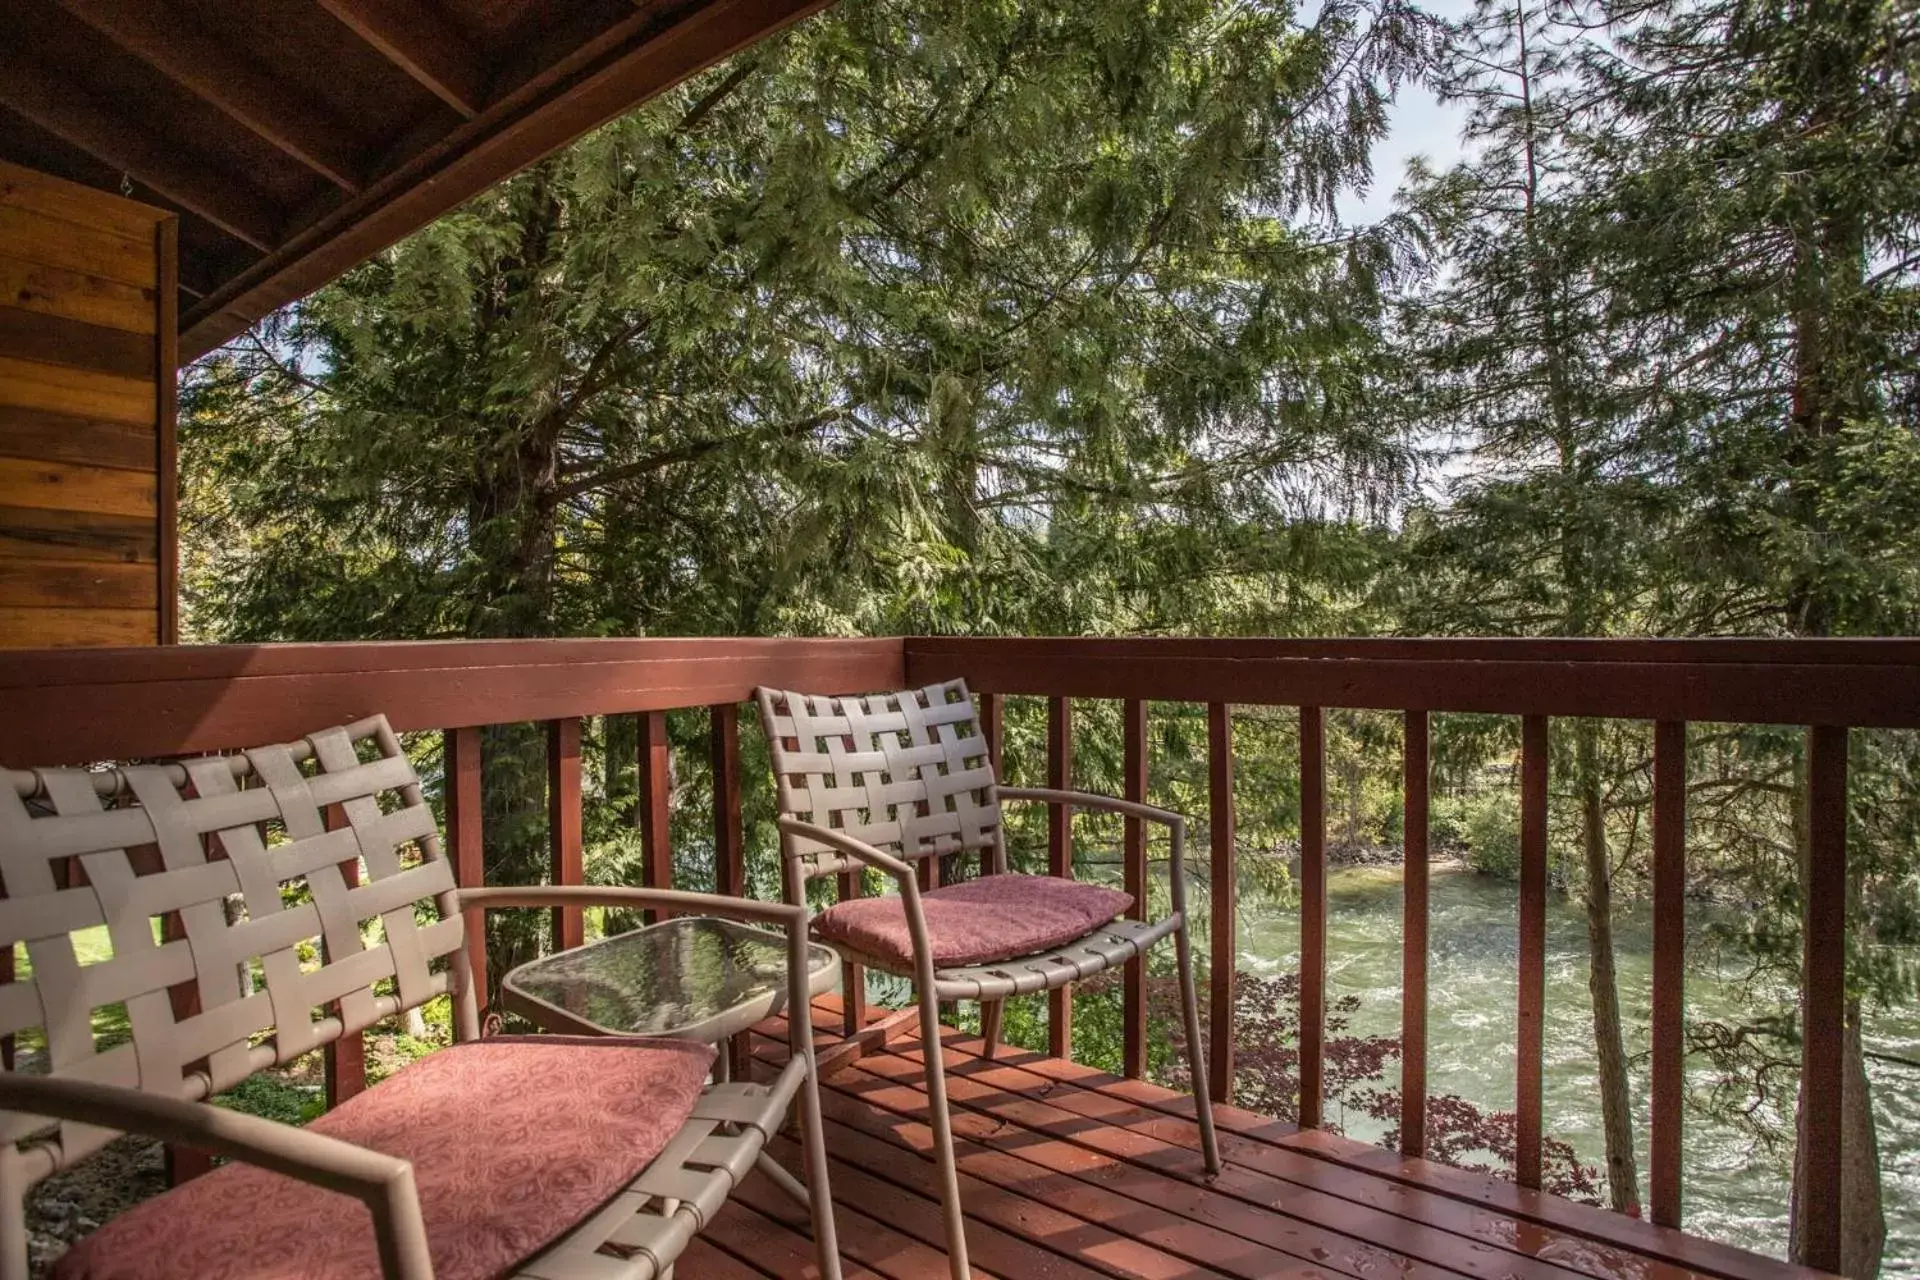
690	978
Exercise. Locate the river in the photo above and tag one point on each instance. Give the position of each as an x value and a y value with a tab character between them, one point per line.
1733	1191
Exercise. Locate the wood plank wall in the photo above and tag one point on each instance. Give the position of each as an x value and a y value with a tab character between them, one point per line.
87	354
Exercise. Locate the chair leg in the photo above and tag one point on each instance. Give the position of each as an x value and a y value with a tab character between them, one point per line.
990	1011
950	1208
13	1231
1196	1052
826	1242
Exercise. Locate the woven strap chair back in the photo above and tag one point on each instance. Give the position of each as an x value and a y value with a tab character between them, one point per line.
907	773
255	907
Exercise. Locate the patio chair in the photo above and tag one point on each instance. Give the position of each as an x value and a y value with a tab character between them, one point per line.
559	1157
889	780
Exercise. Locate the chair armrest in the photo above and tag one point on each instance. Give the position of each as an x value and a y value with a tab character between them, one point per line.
1175	824
899	868
381	1182
589	895
901	871
1094	800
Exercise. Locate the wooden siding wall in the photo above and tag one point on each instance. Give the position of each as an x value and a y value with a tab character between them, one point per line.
87	353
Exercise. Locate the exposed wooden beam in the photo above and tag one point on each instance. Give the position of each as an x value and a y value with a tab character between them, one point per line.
469	161
50	101
416	40
212	69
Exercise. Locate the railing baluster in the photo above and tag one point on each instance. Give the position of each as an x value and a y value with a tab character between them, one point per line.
563	826
1413	955
1313	911
1824	988
1225	874
1060	856
1133	1017
729	837
344	1061
652	812
993	717
853	977
464	842
1530	1026
1669	960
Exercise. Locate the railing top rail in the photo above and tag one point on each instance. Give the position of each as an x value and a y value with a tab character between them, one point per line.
1863	683
75	706
1865	650
28	668
71	706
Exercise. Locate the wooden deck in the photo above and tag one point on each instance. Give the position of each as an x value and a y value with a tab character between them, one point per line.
1072	1174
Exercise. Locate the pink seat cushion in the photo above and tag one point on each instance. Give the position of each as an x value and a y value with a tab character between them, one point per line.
514	1140
976	921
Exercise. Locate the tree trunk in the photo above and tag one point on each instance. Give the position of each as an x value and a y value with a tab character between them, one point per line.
1830	387
512	535
1863	1219
1616	1102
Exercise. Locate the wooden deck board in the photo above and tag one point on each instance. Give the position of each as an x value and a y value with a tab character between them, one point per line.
1427	1180
1071	1174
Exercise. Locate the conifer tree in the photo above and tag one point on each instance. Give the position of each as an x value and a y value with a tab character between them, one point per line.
1548	528
1763	201
924	317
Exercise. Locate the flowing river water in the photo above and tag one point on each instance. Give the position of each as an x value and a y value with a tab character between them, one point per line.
1733	1190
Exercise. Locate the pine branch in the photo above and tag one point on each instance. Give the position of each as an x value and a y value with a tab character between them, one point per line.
692	451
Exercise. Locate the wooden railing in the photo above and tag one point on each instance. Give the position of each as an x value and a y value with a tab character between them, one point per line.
80	706
75	707
1826	686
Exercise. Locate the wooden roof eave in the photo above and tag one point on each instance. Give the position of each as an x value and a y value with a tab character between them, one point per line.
295	141
539	118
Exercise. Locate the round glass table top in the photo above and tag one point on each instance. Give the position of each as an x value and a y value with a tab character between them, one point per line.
691	976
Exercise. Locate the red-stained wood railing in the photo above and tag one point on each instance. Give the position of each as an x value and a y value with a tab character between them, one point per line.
1669	974
1823	994
729	833
1827	686
1530	1024
729	840
1313	912
75	707
1224	906
64	707
1060	856
652	810
465	842
567	863
1413	954
1133	994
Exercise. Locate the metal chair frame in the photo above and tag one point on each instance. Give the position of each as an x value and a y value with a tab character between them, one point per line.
889	780
179	842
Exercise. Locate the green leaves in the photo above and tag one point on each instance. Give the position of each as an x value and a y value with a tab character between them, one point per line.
891	323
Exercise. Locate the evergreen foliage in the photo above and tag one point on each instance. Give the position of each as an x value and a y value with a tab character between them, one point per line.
1037	317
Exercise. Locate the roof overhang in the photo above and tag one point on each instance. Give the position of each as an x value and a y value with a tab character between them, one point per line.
296	140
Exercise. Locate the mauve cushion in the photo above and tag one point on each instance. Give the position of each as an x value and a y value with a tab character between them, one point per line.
976	921
514	1140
